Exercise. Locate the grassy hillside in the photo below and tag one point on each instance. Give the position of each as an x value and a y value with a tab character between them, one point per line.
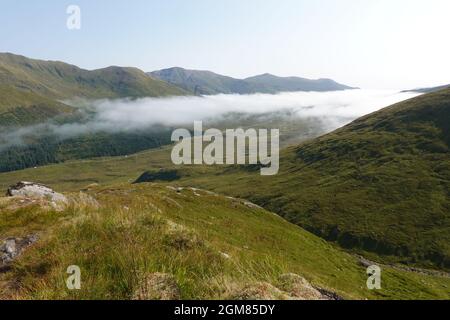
215	248
207	82
380	184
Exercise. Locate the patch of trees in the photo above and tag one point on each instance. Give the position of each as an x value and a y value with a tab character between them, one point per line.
47	150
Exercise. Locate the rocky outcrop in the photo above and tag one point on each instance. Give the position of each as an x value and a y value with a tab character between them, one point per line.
35	191
259	291
158	286
298	287
289	286
11	248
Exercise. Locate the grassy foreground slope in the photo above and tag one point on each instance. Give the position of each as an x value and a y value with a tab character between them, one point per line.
214	246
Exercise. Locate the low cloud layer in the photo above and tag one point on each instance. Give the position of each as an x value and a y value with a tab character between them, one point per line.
332	108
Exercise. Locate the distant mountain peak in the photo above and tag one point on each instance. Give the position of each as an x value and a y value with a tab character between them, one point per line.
207	82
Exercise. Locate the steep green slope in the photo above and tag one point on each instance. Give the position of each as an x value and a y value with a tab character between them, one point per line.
202	82
207	83
213	246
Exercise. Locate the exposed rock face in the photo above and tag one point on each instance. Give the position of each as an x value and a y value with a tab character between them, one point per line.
290	287
259	291
35	191
13	247
158	286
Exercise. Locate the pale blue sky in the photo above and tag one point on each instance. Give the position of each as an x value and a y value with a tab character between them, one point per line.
369	43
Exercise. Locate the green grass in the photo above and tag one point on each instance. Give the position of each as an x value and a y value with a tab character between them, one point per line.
19	108
147	228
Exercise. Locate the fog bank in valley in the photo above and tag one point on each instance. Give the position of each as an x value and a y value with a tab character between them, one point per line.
332	109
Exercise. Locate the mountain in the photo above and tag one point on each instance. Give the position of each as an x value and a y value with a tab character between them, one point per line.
202	82
428	90
60	80
268	83
35	87
208	83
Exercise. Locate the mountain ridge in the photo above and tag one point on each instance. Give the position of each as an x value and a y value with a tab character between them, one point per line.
207	82
47	83
57	79
428	89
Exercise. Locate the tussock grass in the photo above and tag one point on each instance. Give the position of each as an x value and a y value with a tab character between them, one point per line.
211	244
